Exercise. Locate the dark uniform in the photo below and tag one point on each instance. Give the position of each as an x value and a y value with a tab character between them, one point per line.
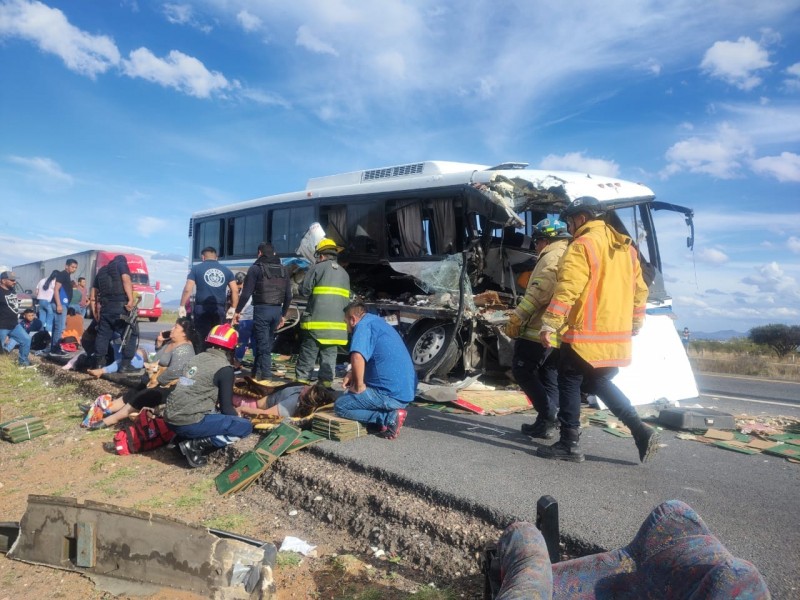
268	283
112	297
323	324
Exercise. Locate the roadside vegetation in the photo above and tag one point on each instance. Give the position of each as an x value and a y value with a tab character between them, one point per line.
72	462
769	351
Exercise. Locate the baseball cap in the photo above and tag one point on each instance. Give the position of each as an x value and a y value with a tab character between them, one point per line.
8	275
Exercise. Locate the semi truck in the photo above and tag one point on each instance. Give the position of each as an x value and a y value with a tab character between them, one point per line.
89	261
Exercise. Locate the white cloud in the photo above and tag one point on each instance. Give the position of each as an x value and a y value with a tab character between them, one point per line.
179	71
712	256
310	41
736	62
42	167
784	168
652	65
770	278
720	154
792	82
183	14
793	243
49	29
264	98
147	226
576	161
391	65
248	21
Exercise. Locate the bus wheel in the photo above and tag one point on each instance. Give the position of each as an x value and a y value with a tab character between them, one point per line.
430	344
153	319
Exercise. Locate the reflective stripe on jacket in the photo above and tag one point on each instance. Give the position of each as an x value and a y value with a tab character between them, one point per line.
540	288
600	294
328	286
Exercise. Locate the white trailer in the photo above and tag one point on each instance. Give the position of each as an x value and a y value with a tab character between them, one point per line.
89	261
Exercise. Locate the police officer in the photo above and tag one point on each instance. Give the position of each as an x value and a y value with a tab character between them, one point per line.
111	300
327	286
268	283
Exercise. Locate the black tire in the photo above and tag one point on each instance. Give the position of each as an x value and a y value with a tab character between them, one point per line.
152	319
429	343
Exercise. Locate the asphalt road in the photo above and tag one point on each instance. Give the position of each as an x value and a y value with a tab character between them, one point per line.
751	503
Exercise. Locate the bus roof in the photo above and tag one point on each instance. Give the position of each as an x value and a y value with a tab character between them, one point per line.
525	188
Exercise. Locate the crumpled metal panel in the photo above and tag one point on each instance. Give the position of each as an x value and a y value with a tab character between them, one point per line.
136	546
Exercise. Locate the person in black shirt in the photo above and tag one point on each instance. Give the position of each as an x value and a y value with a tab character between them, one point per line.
112	299
268	282
10	328
62	292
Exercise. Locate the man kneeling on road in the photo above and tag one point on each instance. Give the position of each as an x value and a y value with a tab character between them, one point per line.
382	380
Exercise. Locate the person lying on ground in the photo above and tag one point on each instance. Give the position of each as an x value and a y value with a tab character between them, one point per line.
290	400
137	362
207	383
174	350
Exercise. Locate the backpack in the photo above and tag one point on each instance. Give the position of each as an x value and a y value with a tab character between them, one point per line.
147	432
40	340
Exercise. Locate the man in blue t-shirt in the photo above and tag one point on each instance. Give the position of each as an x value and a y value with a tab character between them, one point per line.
382	380
210	282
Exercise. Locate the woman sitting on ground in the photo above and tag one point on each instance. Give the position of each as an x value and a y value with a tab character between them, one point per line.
174	350
291	400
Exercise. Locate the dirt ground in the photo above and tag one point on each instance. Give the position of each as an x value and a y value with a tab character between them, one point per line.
72	462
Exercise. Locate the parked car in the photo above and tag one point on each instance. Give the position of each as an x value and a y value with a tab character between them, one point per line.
25	297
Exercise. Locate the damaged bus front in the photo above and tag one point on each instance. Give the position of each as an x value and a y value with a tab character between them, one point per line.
441	249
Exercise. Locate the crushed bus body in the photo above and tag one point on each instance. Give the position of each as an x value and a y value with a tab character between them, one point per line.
441	250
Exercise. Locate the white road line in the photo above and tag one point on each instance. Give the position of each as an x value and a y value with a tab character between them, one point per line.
790	405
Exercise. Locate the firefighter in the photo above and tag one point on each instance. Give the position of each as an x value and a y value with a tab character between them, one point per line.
600	300
535	368
327	286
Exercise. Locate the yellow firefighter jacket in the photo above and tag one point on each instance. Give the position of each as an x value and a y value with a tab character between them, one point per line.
539	291
600	294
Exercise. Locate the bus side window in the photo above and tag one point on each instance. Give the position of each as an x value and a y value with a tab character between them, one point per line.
406	235
288	226
365	225
334	221
208	233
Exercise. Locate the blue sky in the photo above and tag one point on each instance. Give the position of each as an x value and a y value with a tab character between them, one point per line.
120	118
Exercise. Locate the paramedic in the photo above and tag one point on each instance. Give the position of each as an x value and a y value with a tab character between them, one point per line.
600	296
210	280
191	410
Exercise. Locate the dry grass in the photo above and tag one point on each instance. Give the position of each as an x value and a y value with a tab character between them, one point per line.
731	363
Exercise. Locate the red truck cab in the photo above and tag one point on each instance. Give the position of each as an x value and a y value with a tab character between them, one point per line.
149	304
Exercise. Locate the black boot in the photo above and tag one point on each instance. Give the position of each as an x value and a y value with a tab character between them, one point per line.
647	440
194	451
567	448
544	429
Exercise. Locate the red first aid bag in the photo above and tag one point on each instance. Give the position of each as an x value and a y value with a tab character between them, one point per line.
147	432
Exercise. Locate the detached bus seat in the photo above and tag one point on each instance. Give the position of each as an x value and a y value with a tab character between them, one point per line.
674	555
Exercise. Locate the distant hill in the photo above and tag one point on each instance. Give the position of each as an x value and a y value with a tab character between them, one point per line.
721	336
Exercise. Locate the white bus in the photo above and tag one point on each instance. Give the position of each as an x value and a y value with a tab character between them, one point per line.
423	241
